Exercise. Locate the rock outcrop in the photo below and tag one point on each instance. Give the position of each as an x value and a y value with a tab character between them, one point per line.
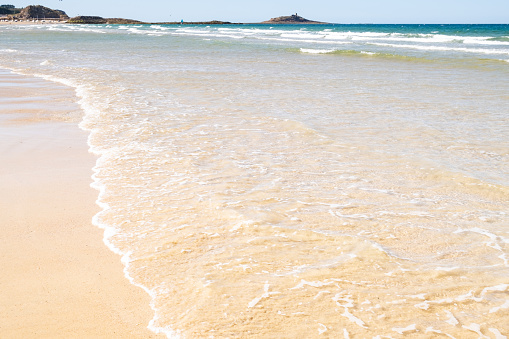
120	21
292	19
100	20
213	22
41	12
86	20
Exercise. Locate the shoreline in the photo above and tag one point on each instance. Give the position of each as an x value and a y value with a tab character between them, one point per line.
31	22
58	277
122	22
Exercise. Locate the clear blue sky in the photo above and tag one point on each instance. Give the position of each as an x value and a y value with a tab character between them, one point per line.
337	11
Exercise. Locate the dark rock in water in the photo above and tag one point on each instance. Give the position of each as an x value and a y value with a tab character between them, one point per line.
120	21
41	12
87	20
213	22
292	19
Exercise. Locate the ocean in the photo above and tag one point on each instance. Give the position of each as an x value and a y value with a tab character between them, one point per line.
341	181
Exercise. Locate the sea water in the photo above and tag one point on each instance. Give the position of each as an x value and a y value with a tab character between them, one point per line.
297	181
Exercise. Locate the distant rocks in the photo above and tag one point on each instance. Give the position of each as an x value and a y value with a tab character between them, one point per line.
41	12
292	19
37	12
100	20
119	21
213	22
87	20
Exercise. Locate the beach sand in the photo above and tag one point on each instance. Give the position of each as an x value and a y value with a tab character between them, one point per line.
30	22
58	279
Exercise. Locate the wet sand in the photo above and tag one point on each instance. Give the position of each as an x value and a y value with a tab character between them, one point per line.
58	279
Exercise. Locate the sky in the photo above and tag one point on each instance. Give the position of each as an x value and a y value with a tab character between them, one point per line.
335	11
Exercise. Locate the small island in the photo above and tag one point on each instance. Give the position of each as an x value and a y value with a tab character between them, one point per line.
292	19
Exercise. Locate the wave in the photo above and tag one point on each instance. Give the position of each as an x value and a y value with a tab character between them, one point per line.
443	48
86	99
318	51
329	37
337	51
329	34
362	53
502	38
334	51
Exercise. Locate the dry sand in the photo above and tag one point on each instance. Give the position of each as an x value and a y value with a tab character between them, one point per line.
58	279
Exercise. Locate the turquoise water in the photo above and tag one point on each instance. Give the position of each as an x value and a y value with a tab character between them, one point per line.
297	181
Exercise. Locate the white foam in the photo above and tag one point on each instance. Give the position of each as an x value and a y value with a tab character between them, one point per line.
498	288
475	328
501	307
431	329
82	92
447	269
346	313
353	318
409	328
74	28
418	296
497	333
452	319
484	41
465	297
443	48
321	329
317	51
266	294
319	294
479	231
312	284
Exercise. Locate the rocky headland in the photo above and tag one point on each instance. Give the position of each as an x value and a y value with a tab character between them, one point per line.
41	13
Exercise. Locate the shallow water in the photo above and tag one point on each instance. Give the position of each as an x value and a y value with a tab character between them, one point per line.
309	181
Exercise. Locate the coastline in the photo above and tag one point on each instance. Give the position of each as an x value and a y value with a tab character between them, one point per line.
31	22
58	277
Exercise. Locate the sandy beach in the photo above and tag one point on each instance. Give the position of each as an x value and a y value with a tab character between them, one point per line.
58	279
6	21
30	22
